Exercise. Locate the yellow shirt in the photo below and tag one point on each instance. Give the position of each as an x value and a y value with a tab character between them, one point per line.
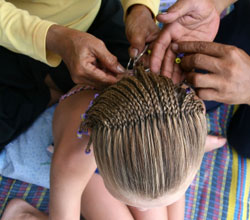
153	5
24	23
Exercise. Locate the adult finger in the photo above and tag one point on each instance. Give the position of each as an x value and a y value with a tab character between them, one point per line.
138	35
204	47
96	77
201	80
214	142
177	75
139	39
159	49
168	63
200	61
208	94
97	84
177	10
108	60
137	42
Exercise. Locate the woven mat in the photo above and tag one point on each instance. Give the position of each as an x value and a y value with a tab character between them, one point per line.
221	189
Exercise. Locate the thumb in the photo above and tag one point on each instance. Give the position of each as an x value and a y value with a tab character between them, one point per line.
109	61
137	42
177	10
214	142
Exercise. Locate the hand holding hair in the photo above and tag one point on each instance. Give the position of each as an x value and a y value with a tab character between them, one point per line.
140	28
87	58
228	77
184	21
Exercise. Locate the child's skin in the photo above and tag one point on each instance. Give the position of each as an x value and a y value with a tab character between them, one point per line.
76	189
71	166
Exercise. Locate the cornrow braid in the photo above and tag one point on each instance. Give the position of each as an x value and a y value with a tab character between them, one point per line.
148	134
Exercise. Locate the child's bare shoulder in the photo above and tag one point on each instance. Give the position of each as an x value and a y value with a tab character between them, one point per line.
76	99
68	111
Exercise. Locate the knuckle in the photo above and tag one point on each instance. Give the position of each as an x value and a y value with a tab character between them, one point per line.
100	43
196	59
112	60
231	51
201	46
137	40
227	49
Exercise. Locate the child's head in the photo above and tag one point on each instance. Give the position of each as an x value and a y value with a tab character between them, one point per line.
148	137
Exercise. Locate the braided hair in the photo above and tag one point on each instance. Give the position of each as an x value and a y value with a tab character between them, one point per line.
147	133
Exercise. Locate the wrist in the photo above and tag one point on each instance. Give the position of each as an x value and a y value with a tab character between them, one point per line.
223	4
54	39
138	9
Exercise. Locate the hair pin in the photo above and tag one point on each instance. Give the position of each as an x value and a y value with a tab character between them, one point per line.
133	61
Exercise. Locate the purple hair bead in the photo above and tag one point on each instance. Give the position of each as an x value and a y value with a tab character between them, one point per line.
180	55
96	95
79	133
188	90
85	132
83	116
87	151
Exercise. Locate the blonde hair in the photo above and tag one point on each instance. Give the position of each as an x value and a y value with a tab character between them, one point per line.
147	133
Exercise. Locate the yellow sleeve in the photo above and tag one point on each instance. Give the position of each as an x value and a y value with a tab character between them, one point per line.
24	33
153	5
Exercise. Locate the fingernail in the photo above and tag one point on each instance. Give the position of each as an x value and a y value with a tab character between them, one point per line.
120	68
174	46
163	13
134	52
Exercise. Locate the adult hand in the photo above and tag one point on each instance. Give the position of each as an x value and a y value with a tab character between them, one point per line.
186	20
140	28
214	142
228	68
87	58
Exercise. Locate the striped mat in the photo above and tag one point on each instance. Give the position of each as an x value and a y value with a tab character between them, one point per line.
221	189
35	195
